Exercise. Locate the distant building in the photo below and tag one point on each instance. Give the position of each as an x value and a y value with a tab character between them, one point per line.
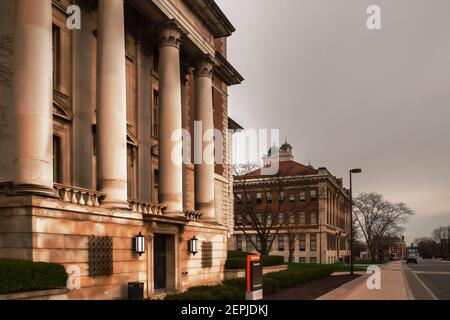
305	211
395	247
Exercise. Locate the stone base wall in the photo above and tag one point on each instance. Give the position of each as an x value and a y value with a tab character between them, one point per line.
48	230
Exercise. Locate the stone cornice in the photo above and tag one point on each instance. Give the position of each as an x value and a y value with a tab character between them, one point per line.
173	13
252	182
226	71
211	15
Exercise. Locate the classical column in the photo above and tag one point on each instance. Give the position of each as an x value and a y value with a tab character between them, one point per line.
111	103
32	98
203	115
170	142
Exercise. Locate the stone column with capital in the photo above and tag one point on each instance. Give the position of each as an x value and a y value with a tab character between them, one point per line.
203	115
32	98
111	103
170	138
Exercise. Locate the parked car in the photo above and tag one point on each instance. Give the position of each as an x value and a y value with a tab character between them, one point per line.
411	259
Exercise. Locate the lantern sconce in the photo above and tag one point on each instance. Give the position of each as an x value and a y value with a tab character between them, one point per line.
193	246
139	244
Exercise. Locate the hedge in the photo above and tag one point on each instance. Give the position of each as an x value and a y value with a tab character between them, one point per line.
235	289
22	276
238	260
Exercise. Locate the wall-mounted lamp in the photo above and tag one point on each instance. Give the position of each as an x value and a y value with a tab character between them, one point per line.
139	244
193	246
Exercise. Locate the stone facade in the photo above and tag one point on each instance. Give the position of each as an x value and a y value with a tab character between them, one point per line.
87	149
304	210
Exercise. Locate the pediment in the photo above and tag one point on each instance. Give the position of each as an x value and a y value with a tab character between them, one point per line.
61	107
131	138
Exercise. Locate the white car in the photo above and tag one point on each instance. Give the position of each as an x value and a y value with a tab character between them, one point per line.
412	258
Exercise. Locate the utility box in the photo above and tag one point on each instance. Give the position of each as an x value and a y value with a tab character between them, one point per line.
135	291
254	275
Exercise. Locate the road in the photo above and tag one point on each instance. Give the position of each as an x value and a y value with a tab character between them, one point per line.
429	280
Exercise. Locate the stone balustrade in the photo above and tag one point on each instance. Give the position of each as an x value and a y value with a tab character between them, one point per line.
79	196
6	188
146	208
193	215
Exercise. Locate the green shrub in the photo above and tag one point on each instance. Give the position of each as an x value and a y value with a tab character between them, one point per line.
238	260
235	263
235	289
238	254
21	276
269	261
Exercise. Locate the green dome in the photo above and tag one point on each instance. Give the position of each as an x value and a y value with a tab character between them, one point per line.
286	146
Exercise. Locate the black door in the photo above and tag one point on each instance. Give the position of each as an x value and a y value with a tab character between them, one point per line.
160	262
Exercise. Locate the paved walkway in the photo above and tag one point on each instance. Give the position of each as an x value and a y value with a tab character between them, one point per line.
393	287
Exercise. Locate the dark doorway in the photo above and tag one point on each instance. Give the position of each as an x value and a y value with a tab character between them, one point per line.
160	262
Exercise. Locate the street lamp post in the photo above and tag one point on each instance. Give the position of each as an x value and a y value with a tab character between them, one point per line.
351	218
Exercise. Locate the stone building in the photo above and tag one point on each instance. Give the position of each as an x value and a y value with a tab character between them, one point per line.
301	211
90	140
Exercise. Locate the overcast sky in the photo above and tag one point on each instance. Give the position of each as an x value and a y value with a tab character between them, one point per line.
349	97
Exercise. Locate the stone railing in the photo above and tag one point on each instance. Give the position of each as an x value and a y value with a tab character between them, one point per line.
6	188
193	215
146	207
79	196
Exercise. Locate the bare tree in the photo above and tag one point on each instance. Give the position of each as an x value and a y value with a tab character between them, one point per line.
441	233
376	217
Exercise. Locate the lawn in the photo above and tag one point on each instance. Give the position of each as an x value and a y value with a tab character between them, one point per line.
336	267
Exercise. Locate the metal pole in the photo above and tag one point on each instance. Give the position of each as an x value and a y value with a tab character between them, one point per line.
320	244
351	226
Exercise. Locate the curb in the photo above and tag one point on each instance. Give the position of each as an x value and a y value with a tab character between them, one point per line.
441	261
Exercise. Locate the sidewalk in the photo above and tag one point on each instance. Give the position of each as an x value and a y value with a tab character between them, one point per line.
393	286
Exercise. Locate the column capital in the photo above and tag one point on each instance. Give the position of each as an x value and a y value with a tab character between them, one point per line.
204	67
170	35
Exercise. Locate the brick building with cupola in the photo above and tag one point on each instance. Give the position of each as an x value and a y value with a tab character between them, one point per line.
302	213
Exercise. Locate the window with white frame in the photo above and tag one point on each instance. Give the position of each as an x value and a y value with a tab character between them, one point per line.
281	196
302	195
239	243
291	218
314	218
269	219
313	242
302	218
313	194
281	242
292	196
258	198
249	199
280	218
249	244
269	197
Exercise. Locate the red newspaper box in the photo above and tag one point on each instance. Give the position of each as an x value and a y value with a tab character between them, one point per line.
254	273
